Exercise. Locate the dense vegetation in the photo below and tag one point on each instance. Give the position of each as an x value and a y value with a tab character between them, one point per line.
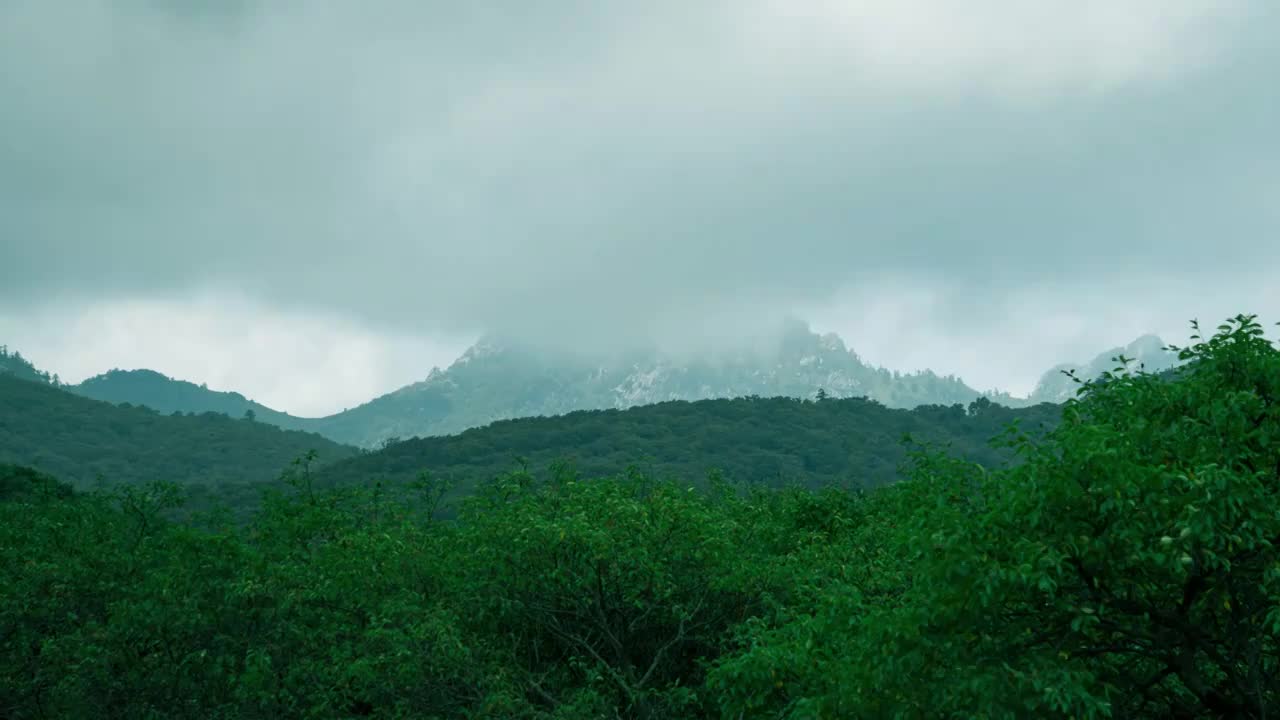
854	442
81	440
1127	567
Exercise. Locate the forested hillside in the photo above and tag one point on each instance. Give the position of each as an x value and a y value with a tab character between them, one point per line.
168	395
12	364
1126	567
854	442
81	440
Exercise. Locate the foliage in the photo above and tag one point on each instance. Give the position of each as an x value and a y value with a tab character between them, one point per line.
1126	567
612	594
568	599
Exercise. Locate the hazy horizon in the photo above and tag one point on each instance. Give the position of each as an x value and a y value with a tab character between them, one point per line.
762	347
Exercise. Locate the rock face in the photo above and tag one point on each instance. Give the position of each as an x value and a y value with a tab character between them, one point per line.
1147	352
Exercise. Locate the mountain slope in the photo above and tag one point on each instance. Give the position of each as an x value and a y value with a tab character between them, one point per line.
1147	352
168	395
496	380
500	380
750	439
78	440
12	364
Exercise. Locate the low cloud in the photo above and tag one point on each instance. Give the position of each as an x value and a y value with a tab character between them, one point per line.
593	176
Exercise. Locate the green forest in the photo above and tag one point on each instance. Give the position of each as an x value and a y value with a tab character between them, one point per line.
167	395
1117	556
13	365
86	442
224	459
853	442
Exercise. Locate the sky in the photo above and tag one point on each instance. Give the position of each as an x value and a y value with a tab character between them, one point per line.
314	202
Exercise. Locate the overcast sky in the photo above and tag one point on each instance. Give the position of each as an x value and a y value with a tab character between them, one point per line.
313	202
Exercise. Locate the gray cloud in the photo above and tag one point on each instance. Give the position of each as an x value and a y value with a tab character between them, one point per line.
584	174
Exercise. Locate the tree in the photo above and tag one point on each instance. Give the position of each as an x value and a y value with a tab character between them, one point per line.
250	415
1130	567
980	405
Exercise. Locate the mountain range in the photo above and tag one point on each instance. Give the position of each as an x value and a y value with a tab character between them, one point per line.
219	460
498	379
80	441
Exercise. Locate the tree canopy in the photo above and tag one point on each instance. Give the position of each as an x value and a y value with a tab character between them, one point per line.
1129	567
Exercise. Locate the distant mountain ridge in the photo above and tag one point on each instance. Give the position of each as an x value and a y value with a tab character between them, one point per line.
1147	352
756	440
499	379
169	395
79	439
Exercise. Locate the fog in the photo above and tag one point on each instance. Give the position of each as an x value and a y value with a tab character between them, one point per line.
359	194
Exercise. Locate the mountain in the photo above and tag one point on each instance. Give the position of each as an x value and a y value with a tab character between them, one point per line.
771	440
86	441
168	395
1147	352
79	440
498	380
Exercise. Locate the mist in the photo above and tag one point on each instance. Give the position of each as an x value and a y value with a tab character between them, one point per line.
686	174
